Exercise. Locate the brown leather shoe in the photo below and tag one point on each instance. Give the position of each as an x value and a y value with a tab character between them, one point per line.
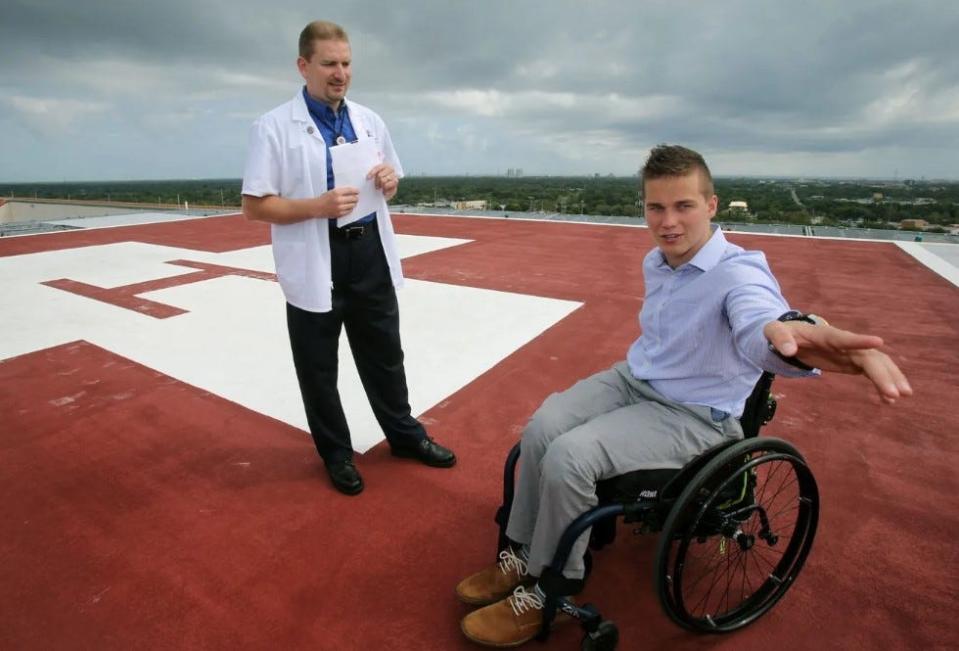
509	622
496	581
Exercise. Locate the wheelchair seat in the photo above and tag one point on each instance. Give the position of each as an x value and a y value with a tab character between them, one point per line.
665	483
758	410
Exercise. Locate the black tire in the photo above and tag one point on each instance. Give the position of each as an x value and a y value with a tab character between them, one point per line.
718	568
605	638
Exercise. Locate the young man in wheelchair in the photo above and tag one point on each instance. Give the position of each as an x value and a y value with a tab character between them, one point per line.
713	318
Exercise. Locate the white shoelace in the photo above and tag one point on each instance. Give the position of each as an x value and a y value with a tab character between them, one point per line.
508	560
522	601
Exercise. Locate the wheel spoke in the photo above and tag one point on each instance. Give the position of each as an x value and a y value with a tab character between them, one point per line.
755	542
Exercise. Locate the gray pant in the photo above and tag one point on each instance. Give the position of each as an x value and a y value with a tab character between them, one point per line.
606	425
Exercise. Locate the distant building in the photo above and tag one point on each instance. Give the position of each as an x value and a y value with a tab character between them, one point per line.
479	204
913	223
739	205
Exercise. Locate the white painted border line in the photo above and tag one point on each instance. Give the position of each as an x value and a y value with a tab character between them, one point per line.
931	260
78	228
836	238
150	219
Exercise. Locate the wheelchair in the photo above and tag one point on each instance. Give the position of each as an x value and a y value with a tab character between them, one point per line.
735	526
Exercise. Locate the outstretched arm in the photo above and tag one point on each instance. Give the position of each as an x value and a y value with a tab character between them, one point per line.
832	349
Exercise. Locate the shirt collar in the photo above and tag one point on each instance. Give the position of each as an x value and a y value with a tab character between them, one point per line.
322	110
708	256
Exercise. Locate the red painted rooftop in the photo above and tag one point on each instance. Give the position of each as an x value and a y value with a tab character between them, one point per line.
141	510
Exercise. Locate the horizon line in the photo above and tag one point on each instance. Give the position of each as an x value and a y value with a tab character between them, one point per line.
896	179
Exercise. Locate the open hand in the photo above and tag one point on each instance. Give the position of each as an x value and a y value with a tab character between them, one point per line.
832	349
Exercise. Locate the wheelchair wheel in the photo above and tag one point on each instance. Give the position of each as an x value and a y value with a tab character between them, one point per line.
737	536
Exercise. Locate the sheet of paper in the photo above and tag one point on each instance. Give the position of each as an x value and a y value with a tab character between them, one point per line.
351	163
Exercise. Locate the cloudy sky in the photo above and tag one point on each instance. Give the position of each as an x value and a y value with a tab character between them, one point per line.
99	89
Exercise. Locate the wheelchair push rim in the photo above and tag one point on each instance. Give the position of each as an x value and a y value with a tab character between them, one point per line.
737	536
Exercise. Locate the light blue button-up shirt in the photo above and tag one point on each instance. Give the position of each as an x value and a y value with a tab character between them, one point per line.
702	324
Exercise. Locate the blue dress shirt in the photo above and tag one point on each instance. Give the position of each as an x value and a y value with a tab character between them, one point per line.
332	125
702	338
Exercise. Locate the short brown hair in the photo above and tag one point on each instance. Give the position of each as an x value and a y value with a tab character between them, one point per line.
676	160
320	30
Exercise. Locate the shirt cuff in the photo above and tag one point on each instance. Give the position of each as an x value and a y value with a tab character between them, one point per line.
776	364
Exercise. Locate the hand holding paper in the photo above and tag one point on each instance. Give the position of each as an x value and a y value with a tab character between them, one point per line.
385	178
351	164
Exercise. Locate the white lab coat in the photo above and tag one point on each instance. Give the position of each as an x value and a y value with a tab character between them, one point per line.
286	157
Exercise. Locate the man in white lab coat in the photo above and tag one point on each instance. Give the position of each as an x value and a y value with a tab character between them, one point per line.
334	274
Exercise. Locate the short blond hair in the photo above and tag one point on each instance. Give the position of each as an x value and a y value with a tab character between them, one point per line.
320	30
676	160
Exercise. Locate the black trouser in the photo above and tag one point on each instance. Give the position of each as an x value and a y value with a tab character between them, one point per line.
364	301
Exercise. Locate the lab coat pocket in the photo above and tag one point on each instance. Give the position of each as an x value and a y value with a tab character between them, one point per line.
290	260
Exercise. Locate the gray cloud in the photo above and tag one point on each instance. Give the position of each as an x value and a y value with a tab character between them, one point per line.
151	90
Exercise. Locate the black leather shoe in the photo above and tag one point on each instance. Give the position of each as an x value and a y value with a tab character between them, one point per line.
426	451
345	477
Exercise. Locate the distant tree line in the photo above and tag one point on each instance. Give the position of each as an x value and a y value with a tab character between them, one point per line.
552	194
830	202
212	192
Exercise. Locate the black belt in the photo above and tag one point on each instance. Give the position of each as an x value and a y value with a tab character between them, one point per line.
353	231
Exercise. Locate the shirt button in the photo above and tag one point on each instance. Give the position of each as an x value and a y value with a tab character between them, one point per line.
309	129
